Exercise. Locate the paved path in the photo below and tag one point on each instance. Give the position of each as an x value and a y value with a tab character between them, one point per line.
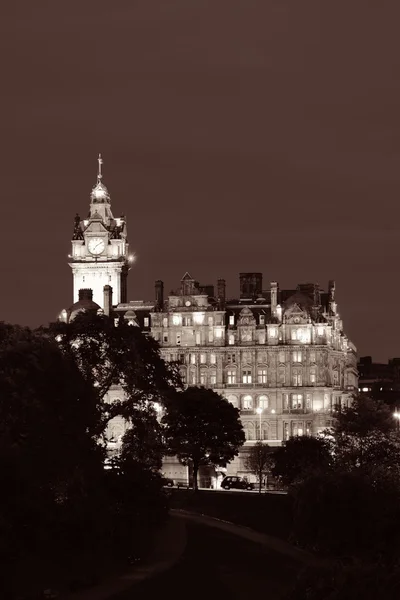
223	559
200	556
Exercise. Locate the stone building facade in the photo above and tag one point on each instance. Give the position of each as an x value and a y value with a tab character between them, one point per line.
280	356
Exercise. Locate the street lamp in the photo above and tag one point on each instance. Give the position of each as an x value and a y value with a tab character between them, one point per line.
259	411
396	415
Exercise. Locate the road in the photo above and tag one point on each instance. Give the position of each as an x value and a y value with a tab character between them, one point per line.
217	564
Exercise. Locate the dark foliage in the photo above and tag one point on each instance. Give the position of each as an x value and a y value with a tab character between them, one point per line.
106	355
349	515
301	457
142	443
364	436
204	428
338	582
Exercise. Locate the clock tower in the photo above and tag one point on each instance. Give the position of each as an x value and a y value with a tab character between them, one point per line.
100	248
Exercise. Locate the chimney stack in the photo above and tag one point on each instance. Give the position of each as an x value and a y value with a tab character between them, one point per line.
221	291
159	286
274	298
107	300
85	293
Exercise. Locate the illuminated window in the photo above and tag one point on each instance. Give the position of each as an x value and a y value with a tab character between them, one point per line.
183	376
246	376
192	358
213	358
192	378
210	321
218	333
231	340
231	319
297	428
296	356
187	321
313	376
202	359
213	378
165	322
285	401
297	378
262	319
203	378
320	331
198	338
309	428
233	400
263	402
231	377
304	335
312	357
282	376
294	334
286	431
211	336
198	318
177	319
297	401
146	321
273	332
308	402
335	378
262	376
247	403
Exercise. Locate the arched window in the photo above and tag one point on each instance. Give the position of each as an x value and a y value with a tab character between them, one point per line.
233	400
247	402
263	402
249	432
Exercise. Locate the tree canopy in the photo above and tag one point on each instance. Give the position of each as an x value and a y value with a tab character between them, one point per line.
301	456
203	428
107	354
259	461
364	436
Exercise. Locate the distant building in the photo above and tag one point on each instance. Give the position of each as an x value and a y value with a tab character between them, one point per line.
380	380
280	356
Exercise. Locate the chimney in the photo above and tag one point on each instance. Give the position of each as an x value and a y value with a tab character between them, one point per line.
250	285
274	298
221	291
331	293
85	294
317	295
159	286
107	300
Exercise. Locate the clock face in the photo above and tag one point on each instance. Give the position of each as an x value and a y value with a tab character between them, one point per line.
187	303
96	245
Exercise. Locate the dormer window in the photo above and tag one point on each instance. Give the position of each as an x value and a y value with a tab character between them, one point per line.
262	319
231	319
146	321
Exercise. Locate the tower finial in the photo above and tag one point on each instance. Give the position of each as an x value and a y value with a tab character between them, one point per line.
99	174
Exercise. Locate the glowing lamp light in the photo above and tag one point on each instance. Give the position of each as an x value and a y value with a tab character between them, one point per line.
396	415
273	411
259	410
365	389
131	258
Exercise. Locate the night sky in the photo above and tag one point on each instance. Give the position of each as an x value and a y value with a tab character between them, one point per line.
237	135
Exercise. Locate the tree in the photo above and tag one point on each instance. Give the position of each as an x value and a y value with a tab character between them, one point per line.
50	460
348	514
107	354
204	428
142	443
259	461
364	436
301	456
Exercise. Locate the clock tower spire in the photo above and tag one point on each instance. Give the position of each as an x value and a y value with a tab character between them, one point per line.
100	247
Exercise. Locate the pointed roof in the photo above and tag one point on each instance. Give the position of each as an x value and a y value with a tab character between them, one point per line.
99	194
187	277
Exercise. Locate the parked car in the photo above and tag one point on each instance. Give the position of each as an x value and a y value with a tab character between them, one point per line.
236	483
